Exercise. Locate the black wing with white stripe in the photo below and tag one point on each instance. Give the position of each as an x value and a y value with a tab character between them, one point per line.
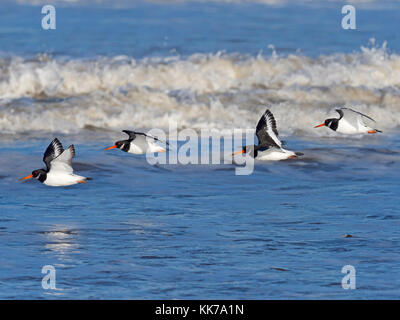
350	113
53	151
266	131
132	136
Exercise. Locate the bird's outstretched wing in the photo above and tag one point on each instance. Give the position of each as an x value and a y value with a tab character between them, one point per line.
132	136
266	131
53	151
64	161
352	115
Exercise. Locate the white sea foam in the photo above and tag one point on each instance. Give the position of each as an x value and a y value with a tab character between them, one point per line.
202	91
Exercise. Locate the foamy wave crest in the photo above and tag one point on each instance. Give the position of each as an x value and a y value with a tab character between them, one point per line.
202	91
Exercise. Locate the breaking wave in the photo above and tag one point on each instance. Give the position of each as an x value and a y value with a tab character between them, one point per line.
220	91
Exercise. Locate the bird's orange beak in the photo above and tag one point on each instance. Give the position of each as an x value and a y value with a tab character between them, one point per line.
109	148
27	177
372	131
320	125
238	152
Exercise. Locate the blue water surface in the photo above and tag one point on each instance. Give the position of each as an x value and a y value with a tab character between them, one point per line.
145	29
178	232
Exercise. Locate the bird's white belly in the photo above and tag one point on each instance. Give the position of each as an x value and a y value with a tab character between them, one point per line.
351	128
148	148
135	149
275	154
62	179
155	148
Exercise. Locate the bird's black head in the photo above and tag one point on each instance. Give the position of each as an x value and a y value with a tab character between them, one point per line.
331	123
119	144
39	174
249	150
122	144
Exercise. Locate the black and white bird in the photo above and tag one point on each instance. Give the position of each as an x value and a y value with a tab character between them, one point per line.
139	143
58	172
349	122
269	146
